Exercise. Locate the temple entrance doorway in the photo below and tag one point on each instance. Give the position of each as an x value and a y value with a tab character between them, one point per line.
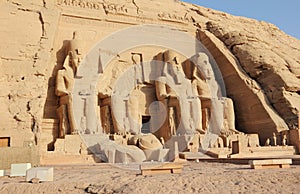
146	124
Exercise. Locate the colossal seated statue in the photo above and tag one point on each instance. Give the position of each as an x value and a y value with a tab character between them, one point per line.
206	88
178	97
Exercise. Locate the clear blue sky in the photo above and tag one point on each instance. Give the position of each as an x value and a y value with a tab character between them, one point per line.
285	14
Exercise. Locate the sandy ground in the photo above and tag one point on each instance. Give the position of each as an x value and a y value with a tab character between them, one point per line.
202	177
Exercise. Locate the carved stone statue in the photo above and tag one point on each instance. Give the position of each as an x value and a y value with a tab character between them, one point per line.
274	140
64	87
138	62
201	89
187	103
284	141
206	88
172	121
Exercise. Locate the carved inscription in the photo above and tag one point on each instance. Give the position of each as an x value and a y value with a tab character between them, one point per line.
96	5
114	8
175	17
82	4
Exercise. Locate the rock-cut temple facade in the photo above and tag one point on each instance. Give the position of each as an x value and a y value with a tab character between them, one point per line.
132	81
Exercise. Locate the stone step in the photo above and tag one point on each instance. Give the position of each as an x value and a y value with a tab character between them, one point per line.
46	121
50	124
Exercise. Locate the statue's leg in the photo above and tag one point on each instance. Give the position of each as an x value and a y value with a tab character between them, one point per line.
229	114
165	130
135	122
72	124
66	122
205	106
197	114
118	109
204	119
184	114
61	129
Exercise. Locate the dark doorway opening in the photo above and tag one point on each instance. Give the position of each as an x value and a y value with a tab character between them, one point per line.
145	124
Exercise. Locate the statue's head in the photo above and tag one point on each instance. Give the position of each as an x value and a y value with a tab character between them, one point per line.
202	59
75	46
202	63
136	58
171	57
73	62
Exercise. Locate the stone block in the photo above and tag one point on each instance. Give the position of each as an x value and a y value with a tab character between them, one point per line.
120	157
123	153
2	173
160	155
269	162
183	143
19	169
111	156
73	144
240	144
129	154
40	173
161	168
59	145
274	163
253	140
236	147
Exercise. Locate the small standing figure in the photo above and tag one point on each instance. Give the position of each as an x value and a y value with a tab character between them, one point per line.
267	142
284	140
172	121
274	140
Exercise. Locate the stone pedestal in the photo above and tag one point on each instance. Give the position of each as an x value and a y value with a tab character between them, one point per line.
237	147
71	144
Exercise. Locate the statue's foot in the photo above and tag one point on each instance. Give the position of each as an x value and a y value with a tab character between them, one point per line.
235	131
201	131
75	132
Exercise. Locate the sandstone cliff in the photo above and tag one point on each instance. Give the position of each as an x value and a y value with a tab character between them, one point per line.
260	64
